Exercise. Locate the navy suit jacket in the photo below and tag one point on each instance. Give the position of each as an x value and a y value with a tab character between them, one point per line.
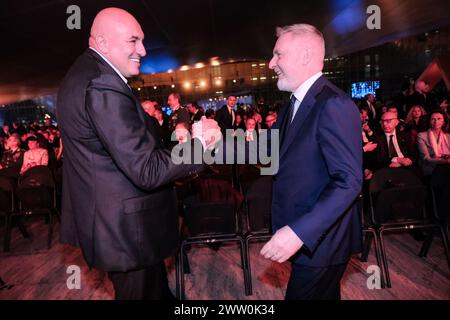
118	203
320	176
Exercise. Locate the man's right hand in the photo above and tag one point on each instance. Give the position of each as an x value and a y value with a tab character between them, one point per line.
208	131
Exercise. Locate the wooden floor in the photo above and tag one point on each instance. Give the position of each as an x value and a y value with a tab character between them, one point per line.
33	272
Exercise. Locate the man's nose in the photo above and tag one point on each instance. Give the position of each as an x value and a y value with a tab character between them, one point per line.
272	63
141	49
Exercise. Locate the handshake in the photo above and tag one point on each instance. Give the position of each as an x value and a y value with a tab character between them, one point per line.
208	132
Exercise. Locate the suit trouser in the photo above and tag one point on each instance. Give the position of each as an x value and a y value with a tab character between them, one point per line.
143	284
315	283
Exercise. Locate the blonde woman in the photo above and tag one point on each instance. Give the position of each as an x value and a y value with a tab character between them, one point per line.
415	119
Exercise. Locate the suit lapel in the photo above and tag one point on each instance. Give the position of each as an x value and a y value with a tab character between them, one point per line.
302	114
125	86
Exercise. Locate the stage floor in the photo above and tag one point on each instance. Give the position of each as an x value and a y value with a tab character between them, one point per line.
33	272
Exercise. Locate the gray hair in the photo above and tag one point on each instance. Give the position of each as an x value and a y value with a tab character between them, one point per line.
303	30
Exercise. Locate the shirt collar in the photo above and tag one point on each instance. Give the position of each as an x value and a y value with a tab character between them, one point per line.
394	133
111	65
305	86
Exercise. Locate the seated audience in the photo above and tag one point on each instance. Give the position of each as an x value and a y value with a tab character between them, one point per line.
35	156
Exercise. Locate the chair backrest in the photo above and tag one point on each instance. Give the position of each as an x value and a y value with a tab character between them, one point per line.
36	189
7	184
440	185
247	175
38	176
393	177
397	195
6	194
258	195
209	218
212	189
12	173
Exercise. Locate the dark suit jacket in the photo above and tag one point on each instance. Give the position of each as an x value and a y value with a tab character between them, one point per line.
118	203
380	155
181	115
320	176
373	120
224	119
197	116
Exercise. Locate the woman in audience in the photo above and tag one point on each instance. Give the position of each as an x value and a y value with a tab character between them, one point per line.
13	155
35	156
415	119
434	144
415	122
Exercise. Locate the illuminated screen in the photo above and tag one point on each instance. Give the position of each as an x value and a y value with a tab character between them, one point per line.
360	89
167	110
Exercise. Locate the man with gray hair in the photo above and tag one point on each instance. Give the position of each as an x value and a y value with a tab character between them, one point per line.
314	215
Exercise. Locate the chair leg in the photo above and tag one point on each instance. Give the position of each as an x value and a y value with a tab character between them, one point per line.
244	263
384	259
186	265
249	267
7	240
182	254
379	258
58	214
426	245
177	274
22	227
50	230
445	242
366	248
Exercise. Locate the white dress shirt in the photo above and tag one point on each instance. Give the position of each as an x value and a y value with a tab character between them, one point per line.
396	147
301	91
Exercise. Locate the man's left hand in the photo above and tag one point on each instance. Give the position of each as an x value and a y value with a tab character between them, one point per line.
283	245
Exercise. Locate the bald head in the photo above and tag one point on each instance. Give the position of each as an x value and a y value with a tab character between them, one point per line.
117	35
421	86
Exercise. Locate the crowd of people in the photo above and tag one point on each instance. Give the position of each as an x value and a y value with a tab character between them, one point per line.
410	133
231	116
119	204
24	146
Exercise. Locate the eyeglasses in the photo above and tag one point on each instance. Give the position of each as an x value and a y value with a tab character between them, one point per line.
387	120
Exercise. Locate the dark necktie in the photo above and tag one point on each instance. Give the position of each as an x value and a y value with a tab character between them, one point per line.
391	148
287	120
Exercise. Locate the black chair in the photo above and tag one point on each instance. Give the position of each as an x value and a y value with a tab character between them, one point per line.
370	235
208	222
11	173
8	207
397	202
257	192
440	197
36	196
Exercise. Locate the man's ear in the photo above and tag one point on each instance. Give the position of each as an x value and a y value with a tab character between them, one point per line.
102	43
306	56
